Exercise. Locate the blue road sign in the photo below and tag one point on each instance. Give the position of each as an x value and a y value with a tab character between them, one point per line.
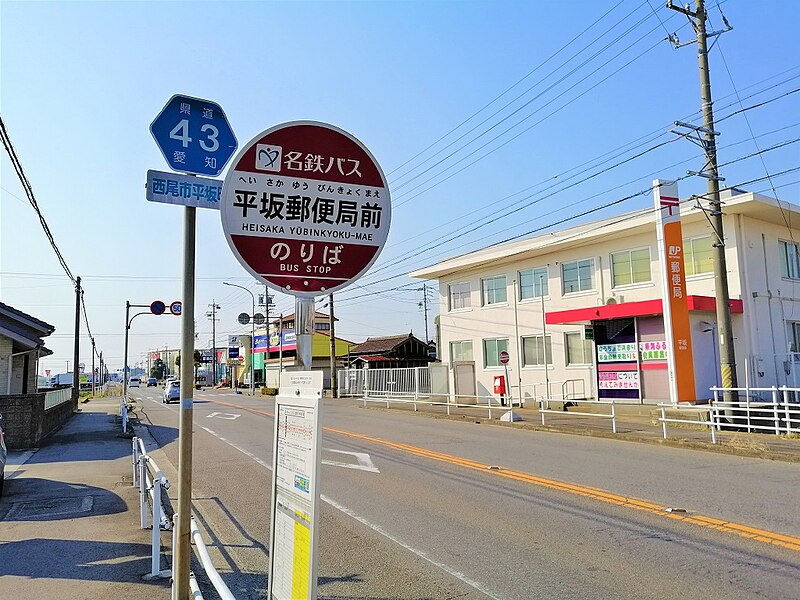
194	135
157	307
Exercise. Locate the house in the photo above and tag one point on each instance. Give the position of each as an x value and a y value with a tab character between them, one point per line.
28	415
580	310
21	346
394	351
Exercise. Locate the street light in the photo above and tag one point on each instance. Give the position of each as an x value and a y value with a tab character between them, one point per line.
252	334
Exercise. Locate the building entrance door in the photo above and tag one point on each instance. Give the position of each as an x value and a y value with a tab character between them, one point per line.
464	382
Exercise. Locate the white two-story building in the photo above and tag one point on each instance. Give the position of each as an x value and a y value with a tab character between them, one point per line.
578	307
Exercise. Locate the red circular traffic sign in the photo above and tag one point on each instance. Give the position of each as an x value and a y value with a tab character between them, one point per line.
157	307
305	208
176	308
504	357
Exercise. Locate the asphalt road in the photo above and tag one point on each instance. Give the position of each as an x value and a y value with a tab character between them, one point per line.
411	510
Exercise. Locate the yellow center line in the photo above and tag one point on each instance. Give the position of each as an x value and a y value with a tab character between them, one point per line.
777	539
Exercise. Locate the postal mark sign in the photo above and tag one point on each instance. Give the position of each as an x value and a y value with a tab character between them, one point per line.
306	208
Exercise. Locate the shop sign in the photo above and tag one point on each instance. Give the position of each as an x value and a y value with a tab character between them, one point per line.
653	350
617	352
619	380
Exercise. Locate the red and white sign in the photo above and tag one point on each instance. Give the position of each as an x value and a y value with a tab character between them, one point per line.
618	380
504	357
305	208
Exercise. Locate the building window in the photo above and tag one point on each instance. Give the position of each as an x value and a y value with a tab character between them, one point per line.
579	351
532	352
322	326
793	341
460	351
533	283
494	290
459	296
698	255
577	276
491	351
790	265
630	266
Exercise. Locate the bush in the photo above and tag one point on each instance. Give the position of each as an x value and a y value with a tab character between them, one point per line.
269	391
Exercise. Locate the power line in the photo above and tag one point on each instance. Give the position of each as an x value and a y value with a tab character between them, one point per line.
528	102
496	98
31	198
616	202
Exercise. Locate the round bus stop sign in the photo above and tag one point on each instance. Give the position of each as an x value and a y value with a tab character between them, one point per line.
305	208
504	357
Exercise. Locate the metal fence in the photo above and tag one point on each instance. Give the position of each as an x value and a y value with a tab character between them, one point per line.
406	382
55	397
773	410
151	480
612	414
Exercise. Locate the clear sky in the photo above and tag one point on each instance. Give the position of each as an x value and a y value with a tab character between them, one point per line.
592	82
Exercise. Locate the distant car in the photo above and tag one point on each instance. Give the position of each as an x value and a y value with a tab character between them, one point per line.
172	391
152	382
2	456
134	382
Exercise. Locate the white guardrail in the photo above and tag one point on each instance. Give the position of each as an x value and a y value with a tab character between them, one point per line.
151	480
489	404
544	409
781	415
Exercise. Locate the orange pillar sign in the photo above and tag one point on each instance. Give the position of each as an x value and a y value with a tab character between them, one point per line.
680	363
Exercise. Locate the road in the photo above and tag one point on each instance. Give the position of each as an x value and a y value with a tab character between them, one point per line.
415	507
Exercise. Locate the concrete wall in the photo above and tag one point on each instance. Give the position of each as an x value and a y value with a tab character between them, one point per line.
25	422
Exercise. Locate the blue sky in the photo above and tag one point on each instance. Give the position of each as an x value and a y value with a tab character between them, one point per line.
81	83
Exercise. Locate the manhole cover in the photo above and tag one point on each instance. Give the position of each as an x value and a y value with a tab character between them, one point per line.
51	507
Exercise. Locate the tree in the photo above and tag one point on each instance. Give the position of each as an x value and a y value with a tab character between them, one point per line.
198	360
158	368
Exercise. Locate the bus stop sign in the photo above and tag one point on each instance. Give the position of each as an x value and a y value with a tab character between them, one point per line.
305	208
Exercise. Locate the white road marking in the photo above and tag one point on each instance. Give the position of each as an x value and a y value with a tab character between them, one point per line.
376	528
222	415
364	461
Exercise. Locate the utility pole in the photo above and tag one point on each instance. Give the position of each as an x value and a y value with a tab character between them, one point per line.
94	374
76	350
213	314
424	304
333	349
711	173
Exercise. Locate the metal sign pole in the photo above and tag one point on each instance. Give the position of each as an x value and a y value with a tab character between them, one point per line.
304	330
183	535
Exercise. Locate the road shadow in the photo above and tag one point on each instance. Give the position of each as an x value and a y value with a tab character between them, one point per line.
42	558
32	499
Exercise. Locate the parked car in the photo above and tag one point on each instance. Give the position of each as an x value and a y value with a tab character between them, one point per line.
152	382
134	382
172	391
2	456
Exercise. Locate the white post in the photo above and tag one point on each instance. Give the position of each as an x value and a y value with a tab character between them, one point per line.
541	408
174	593
613	417
142	492
713	430
664	422
134	459
155	534
775	410
786	410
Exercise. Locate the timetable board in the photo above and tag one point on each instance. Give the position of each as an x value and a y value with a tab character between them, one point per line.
295	487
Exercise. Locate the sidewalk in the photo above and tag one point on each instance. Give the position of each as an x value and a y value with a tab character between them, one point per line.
69	517
635	428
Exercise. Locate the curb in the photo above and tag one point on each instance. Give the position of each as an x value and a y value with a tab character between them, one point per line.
724	447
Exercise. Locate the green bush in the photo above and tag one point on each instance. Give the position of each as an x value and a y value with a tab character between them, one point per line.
269	391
